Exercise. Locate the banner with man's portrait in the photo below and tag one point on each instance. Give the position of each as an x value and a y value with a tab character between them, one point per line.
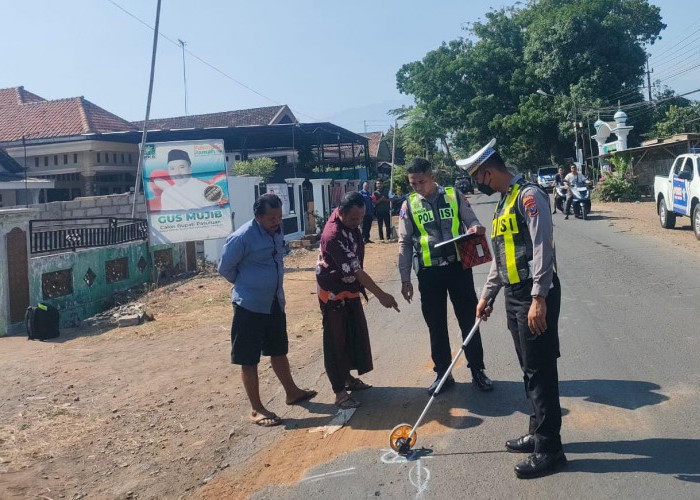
186	191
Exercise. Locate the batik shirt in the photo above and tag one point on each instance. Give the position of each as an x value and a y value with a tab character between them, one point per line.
341	256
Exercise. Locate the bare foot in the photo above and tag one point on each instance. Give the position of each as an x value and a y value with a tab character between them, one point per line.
300	396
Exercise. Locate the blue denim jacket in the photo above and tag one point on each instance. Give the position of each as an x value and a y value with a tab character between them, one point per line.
252	260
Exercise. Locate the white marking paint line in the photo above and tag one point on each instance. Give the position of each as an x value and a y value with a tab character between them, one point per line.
419	477
344	472
341	418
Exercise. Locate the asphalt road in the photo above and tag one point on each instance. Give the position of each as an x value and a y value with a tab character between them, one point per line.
630	342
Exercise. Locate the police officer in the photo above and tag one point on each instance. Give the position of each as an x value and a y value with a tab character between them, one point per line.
430	215
525	265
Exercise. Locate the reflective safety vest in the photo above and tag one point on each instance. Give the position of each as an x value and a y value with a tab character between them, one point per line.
433	225
512	245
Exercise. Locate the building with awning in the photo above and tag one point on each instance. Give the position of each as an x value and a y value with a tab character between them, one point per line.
15	187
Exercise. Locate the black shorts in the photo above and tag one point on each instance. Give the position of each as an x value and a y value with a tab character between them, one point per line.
255	333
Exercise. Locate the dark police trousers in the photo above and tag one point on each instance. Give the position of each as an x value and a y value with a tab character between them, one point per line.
538	359
434	283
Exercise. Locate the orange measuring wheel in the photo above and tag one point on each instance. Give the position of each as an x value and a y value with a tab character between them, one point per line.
399	438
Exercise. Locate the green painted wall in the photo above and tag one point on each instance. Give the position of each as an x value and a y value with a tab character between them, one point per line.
86	301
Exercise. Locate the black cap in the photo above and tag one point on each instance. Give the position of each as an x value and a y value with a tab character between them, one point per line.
178	154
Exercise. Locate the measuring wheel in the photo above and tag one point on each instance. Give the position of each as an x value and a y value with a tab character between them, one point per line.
399	438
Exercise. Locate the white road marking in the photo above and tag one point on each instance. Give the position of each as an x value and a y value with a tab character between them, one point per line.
344	472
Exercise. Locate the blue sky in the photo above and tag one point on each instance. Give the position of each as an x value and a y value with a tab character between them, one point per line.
328	60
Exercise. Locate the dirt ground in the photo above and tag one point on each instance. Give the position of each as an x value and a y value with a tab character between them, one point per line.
156	410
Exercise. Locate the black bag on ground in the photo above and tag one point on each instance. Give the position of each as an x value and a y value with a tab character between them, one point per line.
41	322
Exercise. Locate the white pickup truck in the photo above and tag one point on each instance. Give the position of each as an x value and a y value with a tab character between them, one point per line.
678	193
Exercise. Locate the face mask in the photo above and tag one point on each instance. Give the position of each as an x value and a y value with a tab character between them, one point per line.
485	188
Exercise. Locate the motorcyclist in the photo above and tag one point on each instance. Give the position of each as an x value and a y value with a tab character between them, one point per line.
572	180
558	182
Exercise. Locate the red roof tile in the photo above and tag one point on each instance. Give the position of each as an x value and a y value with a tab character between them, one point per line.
375	139
25	114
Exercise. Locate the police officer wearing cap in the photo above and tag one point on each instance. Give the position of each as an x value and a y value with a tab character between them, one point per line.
433	214
525	266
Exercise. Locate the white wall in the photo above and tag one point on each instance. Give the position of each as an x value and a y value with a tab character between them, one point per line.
241	197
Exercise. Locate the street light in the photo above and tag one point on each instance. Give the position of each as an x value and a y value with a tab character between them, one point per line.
542	92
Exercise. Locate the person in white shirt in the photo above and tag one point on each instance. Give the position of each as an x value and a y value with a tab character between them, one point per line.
572	179
187	192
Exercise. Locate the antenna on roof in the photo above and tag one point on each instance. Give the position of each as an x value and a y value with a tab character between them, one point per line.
184	71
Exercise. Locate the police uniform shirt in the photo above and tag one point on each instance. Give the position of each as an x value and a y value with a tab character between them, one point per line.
533	207
466	215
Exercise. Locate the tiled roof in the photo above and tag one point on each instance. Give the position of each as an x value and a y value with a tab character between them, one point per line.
375	139
240	118
25	114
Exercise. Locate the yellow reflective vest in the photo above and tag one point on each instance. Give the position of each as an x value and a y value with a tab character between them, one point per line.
434	224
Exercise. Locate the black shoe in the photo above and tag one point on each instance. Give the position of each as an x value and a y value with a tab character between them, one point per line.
481	381
524	444
369	241
448	383
566	217
554	212
540	464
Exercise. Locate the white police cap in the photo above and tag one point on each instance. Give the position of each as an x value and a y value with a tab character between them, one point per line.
471	164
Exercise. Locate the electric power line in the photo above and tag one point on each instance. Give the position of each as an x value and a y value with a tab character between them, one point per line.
206	63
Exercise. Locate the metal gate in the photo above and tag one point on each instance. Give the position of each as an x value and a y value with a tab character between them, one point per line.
18	273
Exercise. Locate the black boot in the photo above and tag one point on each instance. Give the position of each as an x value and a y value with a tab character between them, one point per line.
448	383
540	464
524	444
481	381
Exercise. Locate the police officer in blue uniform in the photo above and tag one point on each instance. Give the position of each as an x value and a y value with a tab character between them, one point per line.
525	266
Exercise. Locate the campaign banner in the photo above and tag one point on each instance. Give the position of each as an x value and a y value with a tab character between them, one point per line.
186	191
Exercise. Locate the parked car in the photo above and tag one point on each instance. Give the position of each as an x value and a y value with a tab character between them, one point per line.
545	177
678	193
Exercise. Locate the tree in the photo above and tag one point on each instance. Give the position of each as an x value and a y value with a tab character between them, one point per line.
257	167
678	120
483	86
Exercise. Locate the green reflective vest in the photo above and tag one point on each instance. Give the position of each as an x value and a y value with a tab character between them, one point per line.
433	225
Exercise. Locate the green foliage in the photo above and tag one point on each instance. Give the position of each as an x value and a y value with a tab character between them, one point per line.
320	221
578	51
401	186
621	184
678	120
257	167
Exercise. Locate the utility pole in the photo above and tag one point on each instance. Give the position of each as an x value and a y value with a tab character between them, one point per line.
184	71
148	111
648	79
365	124
393	156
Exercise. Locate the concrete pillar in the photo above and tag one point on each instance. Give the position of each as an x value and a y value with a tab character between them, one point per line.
88	183
10	219
322	199
298	207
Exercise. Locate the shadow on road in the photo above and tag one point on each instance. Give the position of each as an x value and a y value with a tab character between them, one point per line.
678	457
460	407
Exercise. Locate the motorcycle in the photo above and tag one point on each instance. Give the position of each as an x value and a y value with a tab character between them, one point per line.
581	199
560	198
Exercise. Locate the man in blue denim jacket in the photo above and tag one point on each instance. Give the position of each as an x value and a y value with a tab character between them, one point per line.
252	260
